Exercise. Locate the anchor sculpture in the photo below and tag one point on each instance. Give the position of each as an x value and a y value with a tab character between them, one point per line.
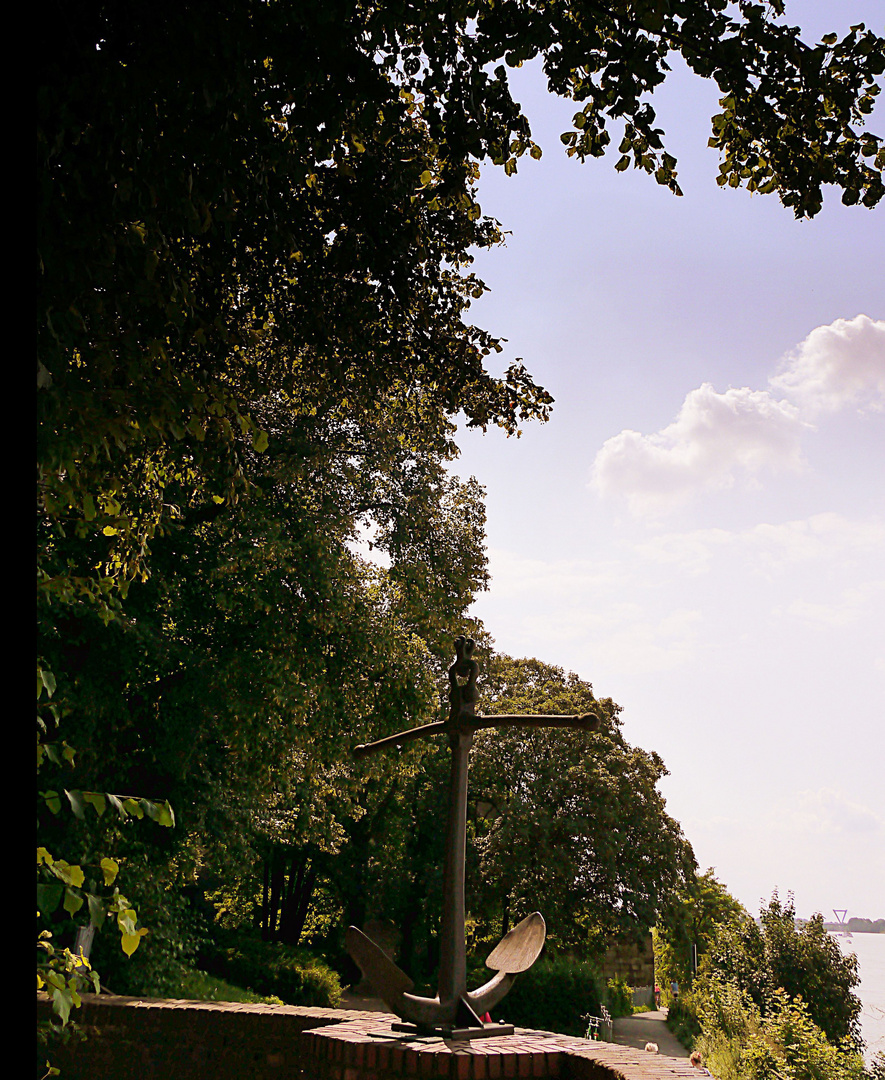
455	1011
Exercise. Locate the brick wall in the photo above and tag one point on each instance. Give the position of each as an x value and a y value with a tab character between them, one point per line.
143	1039
138	1039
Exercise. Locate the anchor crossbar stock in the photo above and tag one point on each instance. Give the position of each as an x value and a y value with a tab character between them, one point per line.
586	722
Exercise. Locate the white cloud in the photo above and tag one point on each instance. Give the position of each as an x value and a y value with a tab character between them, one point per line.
715	439
719	439
646	645
826	536
604	611
826	810
850	606
836	366
518	577
815	844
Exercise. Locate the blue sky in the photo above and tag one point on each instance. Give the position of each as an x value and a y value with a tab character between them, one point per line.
700	528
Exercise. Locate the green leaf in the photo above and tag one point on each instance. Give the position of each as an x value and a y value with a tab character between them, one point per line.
73	902
96	800
97	912
130	936
44	376
126	920
69	874
75	798
110	869
49	897
61	1003
47	680
130	942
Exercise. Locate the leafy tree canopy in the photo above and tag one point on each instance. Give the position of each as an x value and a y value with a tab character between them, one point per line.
273	206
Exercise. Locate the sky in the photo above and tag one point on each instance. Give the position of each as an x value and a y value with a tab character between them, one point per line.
699	530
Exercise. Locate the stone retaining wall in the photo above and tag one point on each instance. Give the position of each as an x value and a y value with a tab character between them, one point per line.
141	1039
632	961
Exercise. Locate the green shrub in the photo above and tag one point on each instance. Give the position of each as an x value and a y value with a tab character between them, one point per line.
269	968
619	997
177	933
554	995
739	1043
682	1020
195	985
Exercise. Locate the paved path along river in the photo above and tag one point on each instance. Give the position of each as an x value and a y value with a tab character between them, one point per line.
642	1028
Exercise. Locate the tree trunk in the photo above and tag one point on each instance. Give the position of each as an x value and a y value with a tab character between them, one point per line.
296	900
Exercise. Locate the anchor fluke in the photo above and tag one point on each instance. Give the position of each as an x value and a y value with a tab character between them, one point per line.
388	981
521	947
514	953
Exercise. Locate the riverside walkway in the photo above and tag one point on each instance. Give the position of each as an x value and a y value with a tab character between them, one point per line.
642	1028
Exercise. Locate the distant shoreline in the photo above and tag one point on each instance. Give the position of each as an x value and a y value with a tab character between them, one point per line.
857	926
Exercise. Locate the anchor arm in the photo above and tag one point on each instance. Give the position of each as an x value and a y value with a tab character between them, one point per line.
584	722
364	749
515	952
487	996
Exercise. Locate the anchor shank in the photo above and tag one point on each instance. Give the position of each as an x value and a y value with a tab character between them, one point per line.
452	952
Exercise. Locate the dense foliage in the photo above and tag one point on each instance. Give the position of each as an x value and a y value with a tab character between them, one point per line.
762	959
776	1000
556	994
256	225
742	1043
293	976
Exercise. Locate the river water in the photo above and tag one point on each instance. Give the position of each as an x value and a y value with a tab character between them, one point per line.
870	952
